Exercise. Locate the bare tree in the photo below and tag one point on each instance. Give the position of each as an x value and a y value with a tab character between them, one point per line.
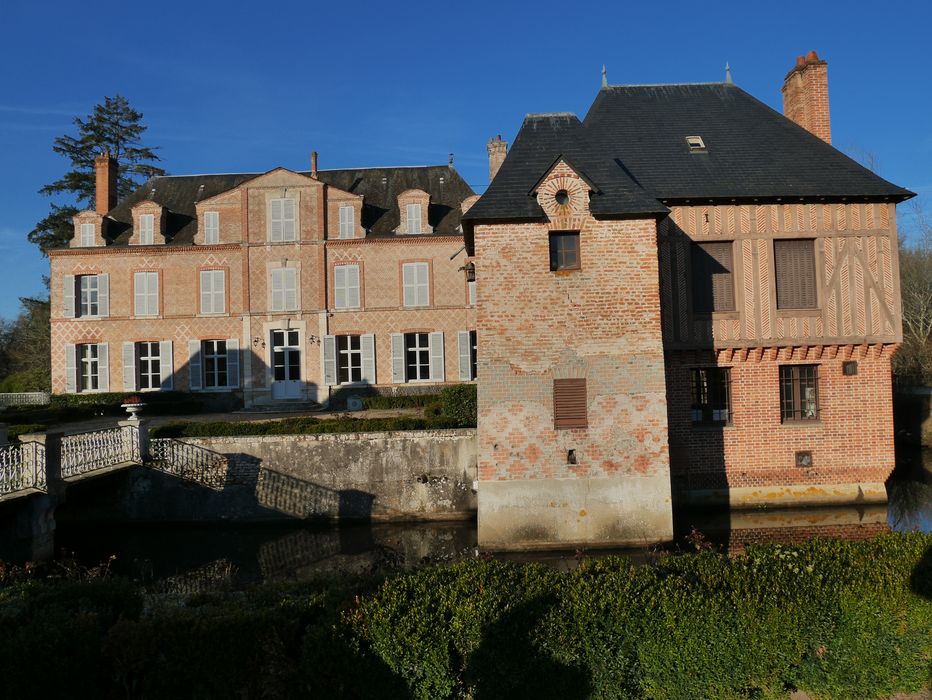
913	362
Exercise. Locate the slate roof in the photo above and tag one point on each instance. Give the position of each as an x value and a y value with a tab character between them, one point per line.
634	144
379	186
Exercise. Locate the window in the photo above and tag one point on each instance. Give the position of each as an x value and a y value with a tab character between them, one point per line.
282	220
413	213
146	229
794	270
89	357
416	286
349	358
215	363
712	277
87	235
286	355
347	225
695	143
346	287
211	227
417	356
146	288
284	289
564	250
89	295
711	397
799	392
213	291
149	366
569	403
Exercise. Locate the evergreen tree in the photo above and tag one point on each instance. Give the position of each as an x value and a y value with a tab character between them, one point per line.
113	126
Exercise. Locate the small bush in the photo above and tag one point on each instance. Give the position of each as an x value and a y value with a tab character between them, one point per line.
402	401
458	403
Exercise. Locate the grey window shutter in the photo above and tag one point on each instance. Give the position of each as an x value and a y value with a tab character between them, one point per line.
233	363
330	360
68	296
71	369
436	356
166	366
194	365
398	358
794	265
103	366
367	345
464	354
103	294
129	367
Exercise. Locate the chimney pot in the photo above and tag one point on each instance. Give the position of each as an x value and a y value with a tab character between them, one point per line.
812	56
105	191
800	61
313	163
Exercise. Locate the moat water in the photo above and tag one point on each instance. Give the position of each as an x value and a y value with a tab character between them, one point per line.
191	558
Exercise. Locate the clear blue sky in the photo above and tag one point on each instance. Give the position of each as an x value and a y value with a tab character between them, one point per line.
225	89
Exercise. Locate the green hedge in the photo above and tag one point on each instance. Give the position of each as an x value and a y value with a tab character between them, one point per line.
836	619
402	401
304	425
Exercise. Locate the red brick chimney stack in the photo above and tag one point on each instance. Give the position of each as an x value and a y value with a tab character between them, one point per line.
105	169
805	95
313	163
497	151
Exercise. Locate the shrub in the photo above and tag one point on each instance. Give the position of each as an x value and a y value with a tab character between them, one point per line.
458	403
402	401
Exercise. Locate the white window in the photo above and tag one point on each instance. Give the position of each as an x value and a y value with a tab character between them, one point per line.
149	372
417	356
89	291
213	291
146	293
347	225
146	229
346	287
414	218
349	358
89	357
471	286
284	289
87	235
211	227
282	220
416	286
214	353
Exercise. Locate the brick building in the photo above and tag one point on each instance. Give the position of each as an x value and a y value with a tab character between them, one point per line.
267	287
684	295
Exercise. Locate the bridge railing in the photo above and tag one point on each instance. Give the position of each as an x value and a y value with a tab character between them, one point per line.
22	467
82	453
24	398
189	462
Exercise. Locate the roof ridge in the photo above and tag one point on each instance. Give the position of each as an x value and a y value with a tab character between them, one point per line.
629	85
323	170
541	115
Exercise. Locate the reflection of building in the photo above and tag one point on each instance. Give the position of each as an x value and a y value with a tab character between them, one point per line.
683	267
269	287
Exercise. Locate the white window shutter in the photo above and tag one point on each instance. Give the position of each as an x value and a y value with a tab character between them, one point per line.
367	345
423	284
398	358
166	366
275	233
464	354
219	301
71	369
152	305
291	288
206	297
103	295
436	356
277	292
339	287
103	367
330	360
352	286
288	227
233	363
194	365
409	280
129	367
68	296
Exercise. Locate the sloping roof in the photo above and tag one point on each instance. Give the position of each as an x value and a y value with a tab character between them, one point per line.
379	186
634	137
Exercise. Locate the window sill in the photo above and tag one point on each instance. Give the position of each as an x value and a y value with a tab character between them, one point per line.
789	313
219	314
566	271
706	427
349	308
812	423
145	317
213	390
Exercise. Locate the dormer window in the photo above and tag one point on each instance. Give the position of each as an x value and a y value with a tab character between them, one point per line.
87	235
211	227
413	212
146	229
346	222
696	144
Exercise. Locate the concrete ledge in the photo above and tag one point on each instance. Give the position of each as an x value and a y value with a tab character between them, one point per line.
790	496
565	513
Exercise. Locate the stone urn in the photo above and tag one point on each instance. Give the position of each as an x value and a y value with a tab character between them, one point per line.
133	406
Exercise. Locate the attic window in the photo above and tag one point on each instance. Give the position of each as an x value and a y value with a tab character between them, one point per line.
695	143
562	197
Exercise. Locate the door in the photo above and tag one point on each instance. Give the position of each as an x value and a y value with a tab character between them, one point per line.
286	365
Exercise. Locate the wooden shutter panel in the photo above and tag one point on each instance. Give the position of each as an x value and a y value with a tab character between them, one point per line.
569	403
71	369
129	367
423	284
103	295
713	276
275	232
194	365
68	294
291	288
233	363
409	280
166	366
367	345
103	366
352	286
436	357
339	286
398	358
330	360
464	355
794	265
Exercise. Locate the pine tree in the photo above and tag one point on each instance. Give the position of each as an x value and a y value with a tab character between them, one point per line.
113	126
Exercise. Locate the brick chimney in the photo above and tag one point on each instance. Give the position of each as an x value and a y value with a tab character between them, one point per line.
105	168
313	163
805	95
497	150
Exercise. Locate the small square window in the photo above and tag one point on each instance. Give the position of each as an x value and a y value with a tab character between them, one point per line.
564	250
695	143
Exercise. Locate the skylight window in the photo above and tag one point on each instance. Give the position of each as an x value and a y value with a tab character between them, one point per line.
695	143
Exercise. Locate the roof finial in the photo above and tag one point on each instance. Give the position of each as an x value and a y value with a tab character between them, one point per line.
728	79
604	76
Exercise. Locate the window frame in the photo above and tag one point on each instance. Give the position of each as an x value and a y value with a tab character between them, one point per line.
347	223
149	295
412	344
702	248
349	359
346	289
86	235
568	412
146	229
214	351
211	227
146	377
287	294
813	272
89	367
417	286
413	223
710	389
282	220
214	293
793	383
83	308
557	251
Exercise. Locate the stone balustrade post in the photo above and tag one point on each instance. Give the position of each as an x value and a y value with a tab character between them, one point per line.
141	435
41	514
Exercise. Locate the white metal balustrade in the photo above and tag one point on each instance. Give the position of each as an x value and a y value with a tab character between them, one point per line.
24	398
83	453
22	467
189	462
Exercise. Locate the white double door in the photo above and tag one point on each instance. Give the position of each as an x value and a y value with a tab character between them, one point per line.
286	365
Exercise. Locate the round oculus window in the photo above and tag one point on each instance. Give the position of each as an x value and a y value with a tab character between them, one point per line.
562	197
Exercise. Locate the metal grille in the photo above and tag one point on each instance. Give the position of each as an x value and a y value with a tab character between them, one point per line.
22	467
190	462
87	452
799	392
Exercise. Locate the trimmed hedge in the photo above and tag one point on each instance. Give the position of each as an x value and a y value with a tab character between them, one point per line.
836	619
402	401
304	425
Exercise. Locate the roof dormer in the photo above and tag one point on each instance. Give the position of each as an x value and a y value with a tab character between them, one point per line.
413	206
88	230
148	223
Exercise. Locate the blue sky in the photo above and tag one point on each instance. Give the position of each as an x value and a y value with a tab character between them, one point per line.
225	89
